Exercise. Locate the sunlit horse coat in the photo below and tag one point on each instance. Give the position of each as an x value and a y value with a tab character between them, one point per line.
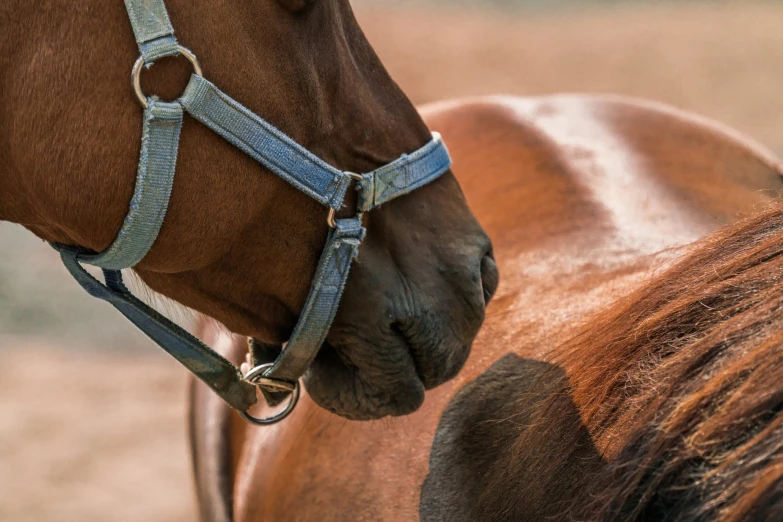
585	198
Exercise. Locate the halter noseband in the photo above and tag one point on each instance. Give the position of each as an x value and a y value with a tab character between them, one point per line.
162	123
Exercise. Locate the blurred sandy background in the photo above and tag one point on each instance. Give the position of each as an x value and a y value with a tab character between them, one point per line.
92	415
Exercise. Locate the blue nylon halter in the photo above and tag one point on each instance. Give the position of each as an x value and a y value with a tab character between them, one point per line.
162	123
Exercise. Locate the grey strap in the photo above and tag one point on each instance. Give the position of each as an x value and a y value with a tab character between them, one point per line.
341	248
154	180
404	175
152	28
265	143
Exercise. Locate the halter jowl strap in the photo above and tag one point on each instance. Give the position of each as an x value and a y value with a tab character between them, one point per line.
213	369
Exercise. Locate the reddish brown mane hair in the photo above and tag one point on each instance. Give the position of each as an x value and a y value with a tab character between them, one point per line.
681	386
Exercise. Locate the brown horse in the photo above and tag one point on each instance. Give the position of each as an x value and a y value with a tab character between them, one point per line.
238	243
664	406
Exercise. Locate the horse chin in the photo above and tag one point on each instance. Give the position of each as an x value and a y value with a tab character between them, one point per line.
366	391
360	380
365	374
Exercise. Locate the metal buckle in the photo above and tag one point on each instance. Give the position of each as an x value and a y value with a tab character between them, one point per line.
256	376
136	72
332	212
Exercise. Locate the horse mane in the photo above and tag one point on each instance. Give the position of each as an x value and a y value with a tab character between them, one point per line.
681	386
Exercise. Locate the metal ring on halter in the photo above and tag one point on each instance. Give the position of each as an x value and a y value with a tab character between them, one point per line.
256	376
136	72
332	212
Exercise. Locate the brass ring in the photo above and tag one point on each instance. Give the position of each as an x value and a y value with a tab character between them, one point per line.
136	72
257	374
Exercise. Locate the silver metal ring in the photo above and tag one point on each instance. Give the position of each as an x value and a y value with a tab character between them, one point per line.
254	376
332	212
136	72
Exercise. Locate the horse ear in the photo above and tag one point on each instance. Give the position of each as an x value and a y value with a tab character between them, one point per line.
296	6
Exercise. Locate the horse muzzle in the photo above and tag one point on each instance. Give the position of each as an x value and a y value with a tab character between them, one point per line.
375	365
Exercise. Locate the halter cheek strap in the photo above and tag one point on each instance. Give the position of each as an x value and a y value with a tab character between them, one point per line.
162	123
154	181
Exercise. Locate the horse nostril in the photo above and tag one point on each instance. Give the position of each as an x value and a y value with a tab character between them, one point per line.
489	276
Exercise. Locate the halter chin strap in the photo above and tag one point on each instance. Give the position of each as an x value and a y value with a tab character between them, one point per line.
269	146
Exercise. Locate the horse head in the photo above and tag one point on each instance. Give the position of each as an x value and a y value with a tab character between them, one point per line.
241	245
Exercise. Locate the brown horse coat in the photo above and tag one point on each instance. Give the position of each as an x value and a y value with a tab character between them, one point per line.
585	199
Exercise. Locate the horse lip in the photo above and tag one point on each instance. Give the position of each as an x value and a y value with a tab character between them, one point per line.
490	277
356	397
431	372
412	352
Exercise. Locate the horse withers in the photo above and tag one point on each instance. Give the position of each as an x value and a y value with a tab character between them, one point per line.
238	243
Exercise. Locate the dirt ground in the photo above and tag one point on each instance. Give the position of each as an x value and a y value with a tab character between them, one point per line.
92	417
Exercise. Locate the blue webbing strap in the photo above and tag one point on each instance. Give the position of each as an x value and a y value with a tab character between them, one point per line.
152	28
221	375
404	175
269	146
217	372
319	310
154	180
265	143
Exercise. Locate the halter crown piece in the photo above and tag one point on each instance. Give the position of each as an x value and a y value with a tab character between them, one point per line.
162	123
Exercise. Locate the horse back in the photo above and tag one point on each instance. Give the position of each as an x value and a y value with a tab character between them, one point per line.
537	168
